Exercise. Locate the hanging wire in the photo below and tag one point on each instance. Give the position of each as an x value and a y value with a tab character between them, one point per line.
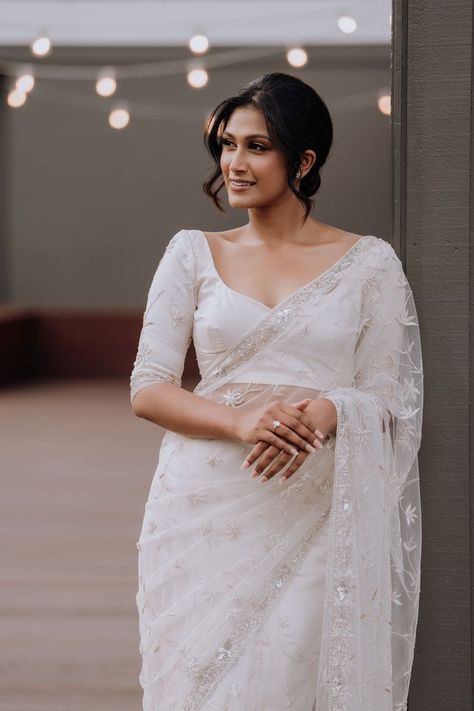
143	69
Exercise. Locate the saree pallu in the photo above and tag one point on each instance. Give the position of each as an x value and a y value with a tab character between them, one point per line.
304	594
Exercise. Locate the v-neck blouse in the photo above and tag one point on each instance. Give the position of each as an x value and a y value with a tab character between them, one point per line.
224	315
188	299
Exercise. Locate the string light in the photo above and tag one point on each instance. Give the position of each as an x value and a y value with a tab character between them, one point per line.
199	44
41	46
296	57
16	98
384	102
197	78
105	79
106	84
25	81
119	116
347	24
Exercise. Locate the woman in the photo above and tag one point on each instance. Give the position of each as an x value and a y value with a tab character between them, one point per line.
298	590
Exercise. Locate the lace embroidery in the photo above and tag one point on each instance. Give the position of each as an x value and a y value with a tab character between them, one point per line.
145	373
207	675
269	328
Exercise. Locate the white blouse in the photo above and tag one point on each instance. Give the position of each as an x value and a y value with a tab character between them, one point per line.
188	300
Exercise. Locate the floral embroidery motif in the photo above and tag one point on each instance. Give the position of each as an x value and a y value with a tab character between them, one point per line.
213	460
233	529
233	398
197	497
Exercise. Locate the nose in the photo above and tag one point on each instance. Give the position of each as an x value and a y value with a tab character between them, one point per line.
237	163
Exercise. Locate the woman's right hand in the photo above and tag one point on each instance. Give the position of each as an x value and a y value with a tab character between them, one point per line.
295	433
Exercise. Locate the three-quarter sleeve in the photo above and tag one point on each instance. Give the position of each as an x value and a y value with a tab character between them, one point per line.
168	318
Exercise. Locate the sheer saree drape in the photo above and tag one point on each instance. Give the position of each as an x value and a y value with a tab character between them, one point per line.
218	549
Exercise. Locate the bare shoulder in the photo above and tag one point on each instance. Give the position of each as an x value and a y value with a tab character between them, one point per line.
344	238
228	235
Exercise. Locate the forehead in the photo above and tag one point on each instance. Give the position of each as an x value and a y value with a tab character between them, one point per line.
246	121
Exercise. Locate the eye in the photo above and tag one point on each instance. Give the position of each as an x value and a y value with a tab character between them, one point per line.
226	142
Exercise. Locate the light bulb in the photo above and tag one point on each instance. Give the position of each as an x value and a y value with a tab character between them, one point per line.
25	82
41	46
197	78
346	24
16	98
384	104
199	44
106	86
297	57
119	117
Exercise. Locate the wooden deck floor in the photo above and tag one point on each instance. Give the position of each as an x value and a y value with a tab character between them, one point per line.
76	466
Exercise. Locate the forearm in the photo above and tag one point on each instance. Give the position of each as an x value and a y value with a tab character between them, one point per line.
179	410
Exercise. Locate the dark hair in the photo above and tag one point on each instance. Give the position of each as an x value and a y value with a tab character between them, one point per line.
297	119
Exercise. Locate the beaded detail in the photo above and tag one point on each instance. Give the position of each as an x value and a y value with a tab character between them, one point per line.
341	603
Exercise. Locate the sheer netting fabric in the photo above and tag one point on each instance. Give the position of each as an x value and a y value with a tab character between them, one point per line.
221	556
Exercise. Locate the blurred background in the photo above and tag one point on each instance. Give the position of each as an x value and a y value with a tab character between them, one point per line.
102	110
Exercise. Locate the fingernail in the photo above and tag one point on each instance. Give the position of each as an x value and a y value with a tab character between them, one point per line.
254	473
317	443
264	478
320	434
293	450
281	479
310	448
245	464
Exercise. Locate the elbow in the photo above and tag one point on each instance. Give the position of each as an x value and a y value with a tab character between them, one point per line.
137	406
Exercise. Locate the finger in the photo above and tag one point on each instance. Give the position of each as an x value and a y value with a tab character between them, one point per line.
294	466
303	429
259	448
287	431
284	462
266	458
277	441
302	404
276	466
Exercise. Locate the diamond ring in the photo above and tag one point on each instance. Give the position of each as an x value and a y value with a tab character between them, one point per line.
276	423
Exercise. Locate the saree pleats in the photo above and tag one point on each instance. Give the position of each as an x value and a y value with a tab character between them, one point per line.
217	553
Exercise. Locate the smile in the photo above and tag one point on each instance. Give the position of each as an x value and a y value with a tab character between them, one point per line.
240	186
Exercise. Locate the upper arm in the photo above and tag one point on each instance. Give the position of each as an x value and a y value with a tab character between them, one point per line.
168	318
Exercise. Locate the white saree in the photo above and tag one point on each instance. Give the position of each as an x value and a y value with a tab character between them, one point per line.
300	595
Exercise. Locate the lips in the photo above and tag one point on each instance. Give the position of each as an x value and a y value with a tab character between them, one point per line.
239	182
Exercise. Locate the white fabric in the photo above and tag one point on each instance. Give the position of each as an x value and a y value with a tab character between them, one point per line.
230	570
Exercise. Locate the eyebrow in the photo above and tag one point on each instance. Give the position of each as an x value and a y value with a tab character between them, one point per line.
252	135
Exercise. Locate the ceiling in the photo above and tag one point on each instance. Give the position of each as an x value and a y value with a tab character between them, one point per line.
135	23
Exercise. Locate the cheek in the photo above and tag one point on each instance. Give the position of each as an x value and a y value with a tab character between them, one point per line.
272	168
224	161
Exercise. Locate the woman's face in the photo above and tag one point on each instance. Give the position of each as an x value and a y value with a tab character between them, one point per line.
248	155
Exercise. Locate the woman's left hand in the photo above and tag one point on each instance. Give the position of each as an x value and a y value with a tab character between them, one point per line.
324	414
